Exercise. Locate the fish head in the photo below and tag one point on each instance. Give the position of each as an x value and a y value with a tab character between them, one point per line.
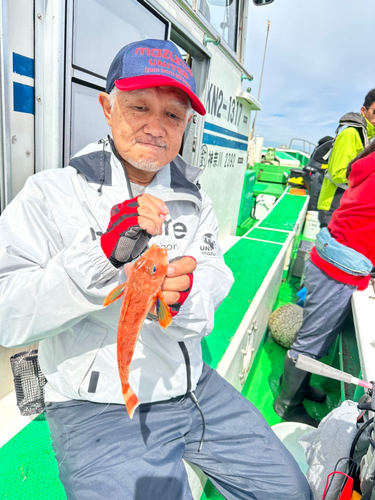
153	264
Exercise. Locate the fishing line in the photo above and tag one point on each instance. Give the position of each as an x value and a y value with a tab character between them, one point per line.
83	423
114	150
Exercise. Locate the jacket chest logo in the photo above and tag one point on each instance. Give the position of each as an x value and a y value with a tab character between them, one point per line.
179	229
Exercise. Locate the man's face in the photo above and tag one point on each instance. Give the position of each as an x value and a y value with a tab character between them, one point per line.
148	125
368	113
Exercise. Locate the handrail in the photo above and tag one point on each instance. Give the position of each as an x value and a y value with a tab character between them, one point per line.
304	141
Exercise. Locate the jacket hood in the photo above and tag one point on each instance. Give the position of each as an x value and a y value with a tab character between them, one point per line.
361	169
352	119
355	118
358	121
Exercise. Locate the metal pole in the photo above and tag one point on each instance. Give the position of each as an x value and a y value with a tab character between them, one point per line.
5	147
50	83
261	78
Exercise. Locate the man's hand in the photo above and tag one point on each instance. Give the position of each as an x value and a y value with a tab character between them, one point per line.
177	283
177	279
131	225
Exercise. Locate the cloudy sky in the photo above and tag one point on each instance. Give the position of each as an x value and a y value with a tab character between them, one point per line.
319	65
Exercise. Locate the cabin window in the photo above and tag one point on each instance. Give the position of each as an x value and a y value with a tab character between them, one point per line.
103	27
100	29
223	16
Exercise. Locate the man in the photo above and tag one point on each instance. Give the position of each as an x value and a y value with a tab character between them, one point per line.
66	239
340	263
360	127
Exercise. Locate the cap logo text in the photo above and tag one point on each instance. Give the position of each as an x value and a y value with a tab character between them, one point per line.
165	54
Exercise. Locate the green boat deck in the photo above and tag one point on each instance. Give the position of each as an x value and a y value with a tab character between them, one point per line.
271	177
28	469
250	259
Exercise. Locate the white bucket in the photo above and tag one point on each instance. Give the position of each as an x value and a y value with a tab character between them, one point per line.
289	434
312	225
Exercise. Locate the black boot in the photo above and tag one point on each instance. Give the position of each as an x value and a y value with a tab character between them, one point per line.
315	394
312	393
293	391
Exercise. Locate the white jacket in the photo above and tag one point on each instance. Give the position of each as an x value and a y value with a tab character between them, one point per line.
54	277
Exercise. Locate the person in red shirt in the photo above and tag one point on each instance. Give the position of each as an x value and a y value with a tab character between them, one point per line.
330	284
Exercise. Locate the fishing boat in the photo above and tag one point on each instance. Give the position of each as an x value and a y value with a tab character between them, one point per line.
52	69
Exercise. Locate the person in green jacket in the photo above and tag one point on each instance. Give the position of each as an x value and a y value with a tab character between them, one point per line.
360	127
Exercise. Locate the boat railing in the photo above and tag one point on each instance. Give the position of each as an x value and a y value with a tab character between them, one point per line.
311	145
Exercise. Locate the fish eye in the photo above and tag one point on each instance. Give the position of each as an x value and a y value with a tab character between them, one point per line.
153	270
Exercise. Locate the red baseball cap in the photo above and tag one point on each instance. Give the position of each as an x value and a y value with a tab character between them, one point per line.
152	63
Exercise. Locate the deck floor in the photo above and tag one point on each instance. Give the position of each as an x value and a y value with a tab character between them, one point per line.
28	468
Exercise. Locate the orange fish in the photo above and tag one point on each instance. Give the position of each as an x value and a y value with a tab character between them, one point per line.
140	293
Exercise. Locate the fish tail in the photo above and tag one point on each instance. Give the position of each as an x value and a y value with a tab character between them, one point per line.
130	398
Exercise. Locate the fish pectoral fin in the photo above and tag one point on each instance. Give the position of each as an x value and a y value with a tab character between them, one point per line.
163	311
115	294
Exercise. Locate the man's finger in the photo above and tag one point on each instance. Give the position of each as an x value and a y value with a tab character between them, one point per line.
152	212
186	265
178	284
128	268
148	226
155	203
170	298
150	222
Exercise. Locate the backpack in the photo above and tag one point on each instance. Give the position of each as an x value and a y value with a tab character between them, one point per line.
320	154
313	172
